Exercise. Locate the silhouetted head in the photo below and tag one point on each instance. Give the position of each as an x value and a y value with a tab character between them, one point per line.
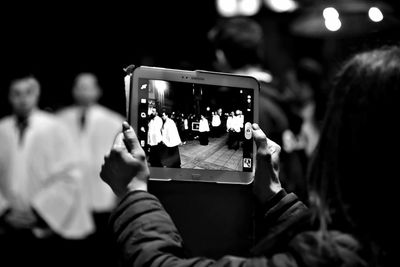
237	42
355	167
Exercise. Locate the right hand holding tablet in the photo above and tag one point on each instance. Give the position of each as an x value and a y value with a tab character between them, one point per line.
125	168
266	180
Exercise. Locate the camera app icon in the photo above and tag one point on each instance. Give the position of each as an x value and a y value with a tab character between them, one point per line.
247	163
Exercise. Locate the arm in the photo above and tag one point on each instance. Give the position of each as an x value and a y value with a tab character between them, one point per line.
146	235
4	163
283	216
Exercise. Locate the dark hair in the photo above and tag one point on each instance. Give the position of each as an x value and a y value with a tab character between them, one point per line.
352	173
240	38
165	111
25	76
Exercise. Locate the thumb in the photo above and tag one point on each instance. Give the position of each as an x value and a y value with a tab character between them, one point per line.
259	137
130	139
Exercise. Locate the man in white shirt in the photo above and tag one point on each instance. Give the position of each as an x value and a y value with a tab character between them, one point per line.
41	202
215	124
170	156
93	128
154	138
204	130
233	129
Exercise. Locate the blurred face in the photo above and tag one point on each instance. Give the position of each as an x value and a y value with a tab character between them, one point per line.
24	96
153	113
86	90
164	116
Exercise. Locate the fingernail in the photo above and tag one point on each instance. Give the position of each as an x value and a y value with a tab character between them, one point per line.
125	126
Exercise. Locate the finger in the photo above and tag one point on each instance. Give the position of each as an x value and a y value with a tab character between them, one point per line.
103	170
107	171
259	136
130	139
105	166
119	141
115	152
273	147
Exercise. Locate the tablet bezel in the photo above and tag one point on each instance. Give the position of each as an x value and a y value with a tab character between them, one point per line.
197	77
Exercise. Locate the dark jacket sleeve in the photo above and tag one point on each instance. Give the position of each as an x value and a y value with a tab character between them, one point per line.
146	236
284	216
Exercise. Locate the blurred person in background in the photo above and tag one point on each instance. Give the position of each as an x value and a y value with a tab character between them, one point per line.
308	78
93	128
42	209
239	44
351	220
299	142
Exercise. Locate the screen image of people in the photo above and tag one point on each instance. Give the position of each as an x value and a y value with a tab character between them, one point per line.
196	126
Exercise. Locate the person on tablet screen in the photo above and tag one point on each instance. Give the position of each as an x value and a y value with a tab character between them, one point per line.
154	138
170	156
233	129
204	130
351	219
215	124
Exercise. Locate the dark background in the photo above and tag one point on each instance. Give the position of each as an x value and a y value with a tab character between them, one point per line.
55	41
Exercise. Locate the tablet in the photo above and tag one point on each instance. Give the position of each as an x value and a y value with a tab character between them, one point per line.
195	125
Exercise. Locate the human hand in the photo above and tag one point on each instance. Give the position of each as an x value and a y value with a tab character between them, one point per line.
19	219
125	167
266	178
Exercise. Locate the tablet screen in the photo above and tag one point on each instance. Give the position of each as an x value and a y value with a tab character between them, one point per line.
196	126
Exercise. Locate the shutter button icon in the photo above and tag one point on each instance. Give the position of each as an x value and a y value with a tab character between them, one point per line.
247	130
